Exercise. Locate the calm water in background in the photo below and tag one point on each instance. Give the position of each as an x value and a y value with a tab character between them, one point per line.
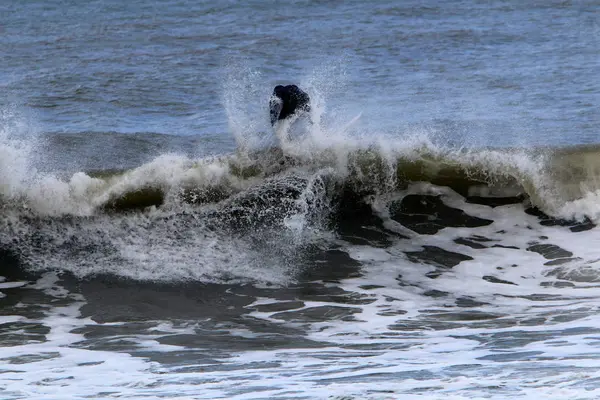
527	70
471	301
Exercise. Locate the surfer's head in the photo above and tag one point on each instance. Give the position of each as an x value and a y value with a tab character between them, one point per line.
286	101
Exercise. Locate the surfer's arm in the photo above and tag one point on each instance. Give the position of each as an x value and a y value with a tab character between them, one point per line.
275	106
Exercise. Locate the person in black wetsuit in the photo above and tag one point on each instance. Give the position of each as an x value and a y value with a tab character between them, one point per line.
287	101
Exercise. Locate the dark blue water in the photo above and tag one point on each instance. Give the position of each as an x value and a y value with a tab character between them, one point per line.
485	72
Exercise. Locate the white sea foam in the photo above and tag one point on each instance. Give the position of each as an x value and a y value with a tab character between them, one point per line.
513	340
502	324
561	185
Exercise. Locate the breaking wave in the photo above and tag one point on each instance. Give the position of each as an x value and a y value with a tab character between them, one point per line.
561	182
259	213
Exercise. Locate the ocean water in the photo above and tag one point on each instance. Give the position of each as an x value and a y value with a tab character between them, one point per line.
432	234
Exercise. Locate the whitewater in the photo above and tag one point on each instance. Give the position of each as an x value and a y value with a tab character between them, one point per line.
430	233
364	266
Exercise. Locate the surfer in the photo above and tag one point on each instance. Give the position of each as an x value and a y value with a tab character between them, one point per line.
287	101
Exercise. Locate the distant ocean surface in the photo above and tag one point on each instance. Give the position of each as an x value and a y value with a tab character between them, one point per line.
433	234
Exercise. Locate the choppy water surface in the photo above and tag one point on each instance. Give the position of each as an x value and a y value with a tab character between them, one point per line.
159	240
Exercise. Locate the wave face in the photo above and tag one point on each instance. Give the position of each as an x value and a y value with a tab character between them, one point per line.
233	216
409	240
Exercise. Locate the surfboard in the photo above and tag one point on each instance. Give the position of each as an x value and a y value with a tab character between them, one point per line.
349	124
283	129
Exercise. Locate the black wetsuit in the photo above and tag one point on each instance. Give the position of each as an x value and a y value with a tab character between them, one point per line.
286	101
